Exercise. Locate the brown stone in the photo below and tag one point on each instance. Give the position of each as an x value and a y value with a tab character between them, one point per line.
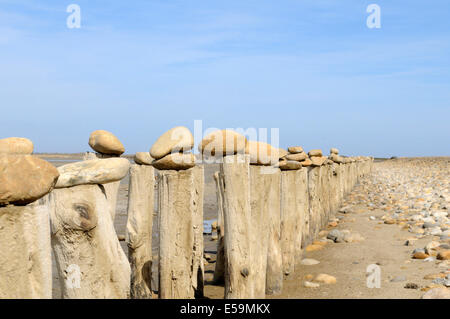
307	162
262	153
420	255
318	160
16	145
315	153
175	161
326	279
176	140
295	149
25	178
105	142
336	158
289	165
223	142
313	247
296	157
282	152
444	255
143	158
334	151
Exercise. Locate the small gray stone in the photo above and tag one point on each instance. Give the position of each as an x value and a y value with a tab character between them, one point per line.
336	236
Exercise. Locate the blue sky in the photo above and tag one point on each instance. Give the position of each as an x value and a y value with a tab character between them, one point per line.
311	68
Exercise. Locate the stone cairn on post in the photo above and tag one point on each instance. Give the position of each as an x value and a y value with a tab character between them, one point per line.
141	199
229	148
25	250
106	145
90	261
180	201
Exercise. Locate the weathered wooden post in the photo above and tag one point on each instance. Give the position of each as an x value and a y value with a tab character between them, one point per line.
274	274
239	263
181	235
139	227
315	189
219	270
180	201
88	255
240	269
25	250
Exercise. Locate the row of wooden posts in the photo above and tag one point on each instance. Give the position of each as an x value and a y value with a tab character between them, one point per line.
265	219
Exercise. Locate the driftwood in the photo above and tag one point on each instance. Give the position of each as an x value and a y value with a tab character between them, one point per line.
139	229
181	268
25	253
88	255
111	189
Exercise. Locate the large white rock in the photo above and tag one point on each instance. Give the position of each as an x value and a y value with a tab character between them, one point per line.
96	171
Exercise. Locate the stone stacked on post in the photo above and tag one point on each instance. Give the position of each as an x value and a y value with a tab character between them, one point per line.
106	145
180	200
25	250
25	179
223	142
262	153
105	142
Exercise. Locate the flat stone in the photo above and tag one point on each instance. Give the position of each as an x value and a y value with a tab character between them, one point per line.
282	152
105	142
289	165
295	149
336	158
262	153
223	142
315	153
143	158
296	157
307	162
176	140
318	160
175	161
25	178
96	171
16	145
